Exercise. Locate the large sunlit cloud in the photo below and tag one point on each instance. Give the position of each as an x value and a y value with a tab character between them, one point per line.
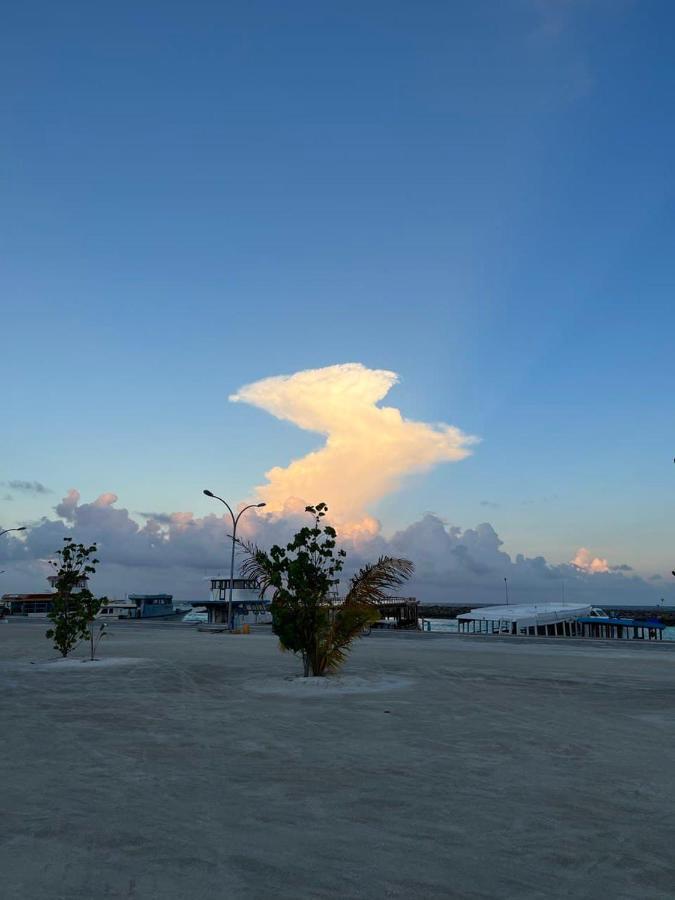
369	449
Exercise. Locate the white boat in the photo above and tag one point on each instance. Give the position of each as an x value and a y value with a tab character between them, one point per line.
532	619
138	606
114	609
196	616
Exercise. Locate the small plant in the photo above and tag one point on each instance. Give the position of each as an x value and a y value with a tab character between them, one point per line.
307	615
96	638
74	607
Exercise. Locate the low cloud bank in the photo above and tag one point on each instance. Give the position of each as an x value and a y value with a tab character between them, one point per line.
175	552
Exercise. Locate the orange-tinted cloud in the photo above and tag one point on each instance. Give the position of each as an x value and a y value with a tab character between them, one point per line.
369	449
585	561
106	499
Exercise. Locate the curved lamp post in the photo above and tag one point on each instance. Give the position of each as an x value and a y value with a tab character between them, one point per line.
7	530
235	522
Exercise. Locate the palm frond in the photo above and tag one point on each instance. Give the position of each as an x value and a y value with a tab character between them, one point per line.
347	625
257	566
375	581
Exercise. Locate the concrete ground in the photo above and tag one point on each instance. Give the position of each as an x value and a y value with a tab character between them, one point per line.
481	768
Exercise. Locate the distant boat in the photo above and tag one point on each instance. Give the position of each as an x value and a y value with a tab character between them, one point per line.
150	606
197	616
114	609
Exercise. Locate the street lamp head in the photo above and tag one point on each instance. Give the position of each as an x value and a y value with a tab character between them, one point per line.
259	505
208	493
21	528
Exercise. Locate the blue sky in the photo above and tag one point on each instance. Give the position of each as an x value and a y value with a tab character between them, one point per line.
477	196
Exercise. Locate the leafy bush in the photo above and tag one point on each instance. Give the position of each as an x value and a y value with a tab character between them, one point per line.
74	607
307	615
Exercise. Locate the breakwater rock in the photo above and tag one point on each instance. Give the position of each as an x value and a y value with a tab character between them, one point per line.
442	612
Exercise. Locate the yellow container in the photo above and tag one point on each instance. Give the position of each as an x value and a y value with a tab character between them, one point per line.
246	629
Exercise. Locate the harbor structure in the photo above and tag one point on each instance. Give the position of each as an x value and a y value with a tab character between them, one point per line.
554	620
28	604
398	613
36	604
621	628
248	607
545	619
138	606
395	612
244	598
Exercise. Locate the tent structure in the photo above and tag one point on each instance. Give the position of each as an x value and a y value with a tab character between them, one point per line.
533	619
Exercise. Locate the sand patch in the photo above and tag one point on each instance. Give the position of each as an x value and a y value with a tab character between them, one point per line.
664	719
329	685
71	664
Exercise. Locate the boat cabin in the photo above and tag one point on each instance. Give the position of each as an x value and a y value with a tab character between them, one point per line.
150	606
114	609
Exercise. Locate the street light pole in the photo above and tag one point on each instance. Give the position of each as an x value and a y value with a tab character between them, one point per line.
235	522
506	588
7	530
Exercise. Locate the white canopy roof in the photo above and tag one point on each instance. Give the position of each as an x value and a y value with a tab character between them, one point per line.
525	615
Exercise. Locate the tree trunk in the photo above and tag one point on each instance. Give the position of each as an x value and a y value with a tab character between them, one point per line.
65	649
305	662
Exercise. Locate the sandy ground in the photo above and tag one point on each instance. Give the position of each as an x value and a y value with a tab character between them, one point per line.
450	767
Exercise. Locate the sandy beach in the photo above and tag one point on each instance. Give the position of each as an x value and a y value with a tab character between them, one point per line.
193	765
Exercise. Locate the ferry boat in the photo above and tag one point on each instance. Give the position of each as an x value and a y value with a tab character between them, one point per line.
150	606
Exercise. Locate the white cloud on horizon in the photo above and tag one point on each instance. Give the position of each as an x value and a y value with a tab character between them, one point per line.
369	449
